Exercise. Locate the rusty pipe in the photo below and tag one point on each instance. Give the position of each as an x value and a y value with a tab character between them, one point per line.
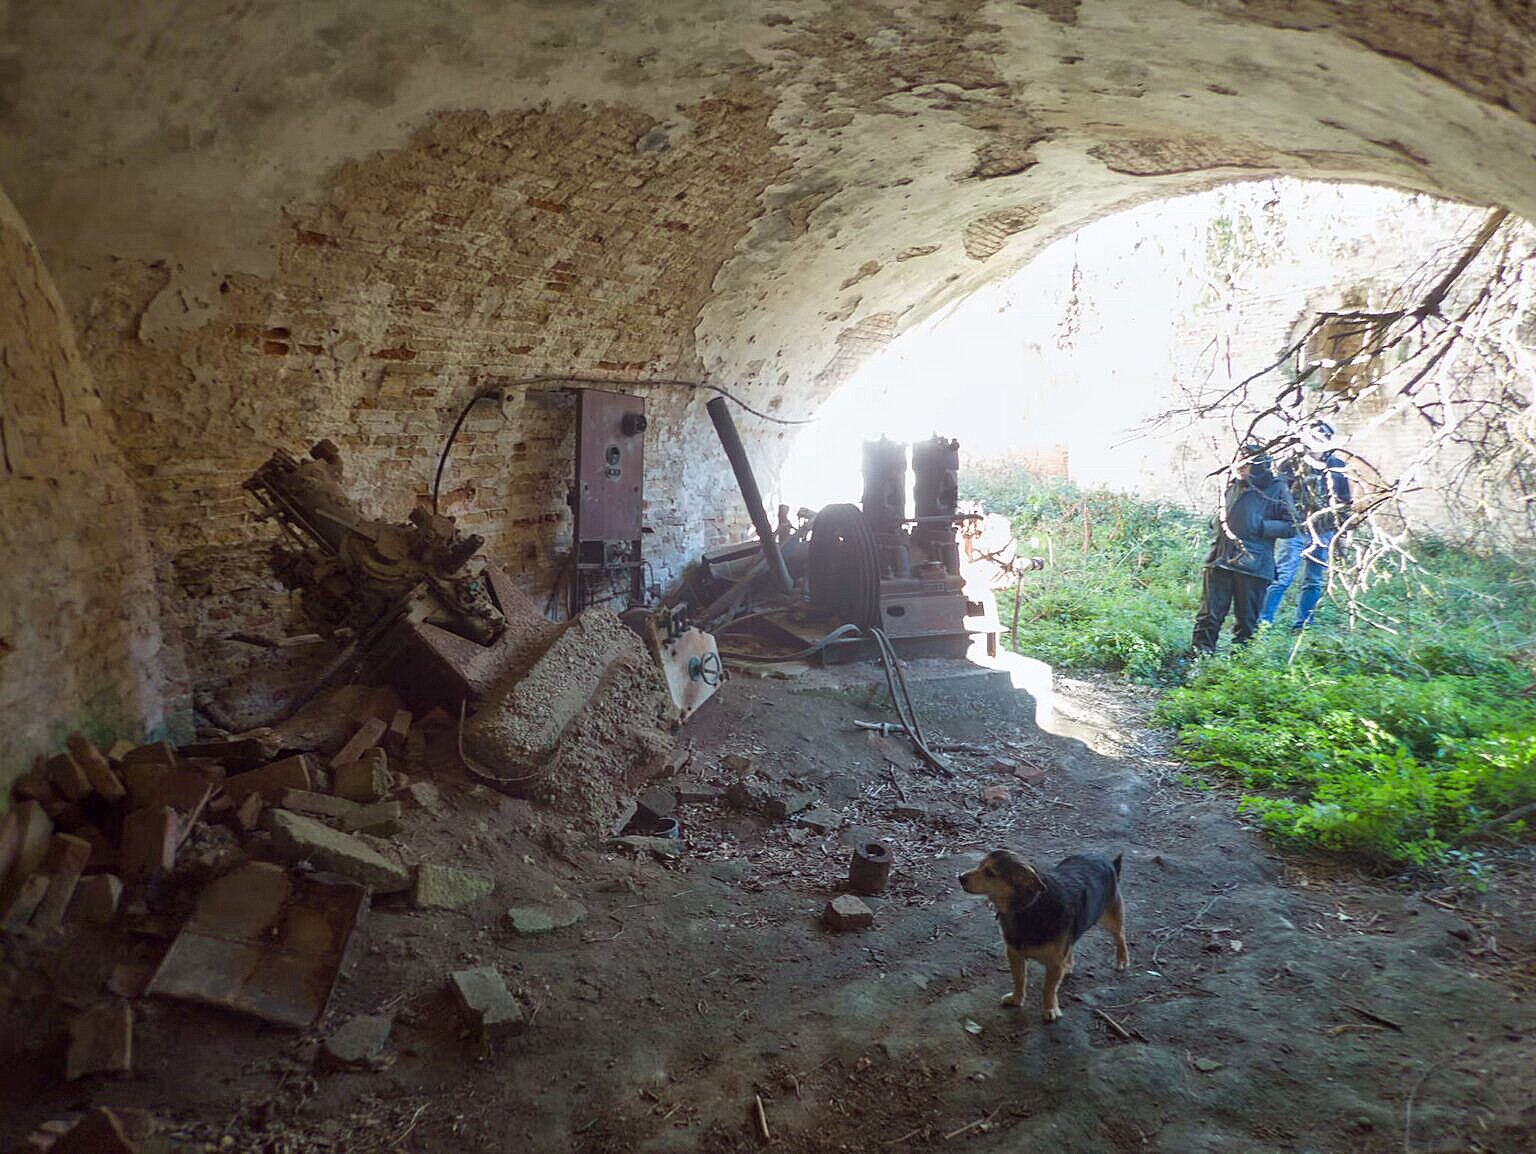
736	453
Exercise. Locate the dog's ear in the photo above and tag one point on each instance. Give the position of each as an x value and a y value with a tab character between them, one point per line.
1016	873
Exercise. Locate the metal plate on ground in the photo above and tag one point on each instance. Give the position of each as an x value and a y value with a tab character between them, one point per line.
264	942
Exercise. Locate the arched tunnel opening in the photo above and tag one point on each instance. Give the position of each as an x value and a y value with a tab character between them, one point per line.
419	736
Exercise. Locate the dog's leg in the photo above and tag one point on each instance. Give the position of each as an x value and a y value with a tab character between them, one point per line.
1113	920
1019	965
1068	963
1054	972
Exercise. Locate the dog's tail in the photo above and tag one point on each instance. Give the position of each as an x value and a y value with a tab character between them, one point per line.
1116	864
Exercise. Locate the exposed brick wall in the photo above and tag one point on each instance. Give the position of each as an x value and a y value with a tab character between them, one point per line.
555	241
79	635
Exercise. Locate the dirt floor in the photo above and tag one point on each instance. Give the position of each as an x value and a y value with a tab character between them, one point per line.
1271	1004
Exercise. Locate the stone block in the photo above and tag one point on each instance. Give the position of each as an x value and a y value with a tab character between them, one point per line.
786	803
100	1042
655	804
298	838
846	912
487	1005
691	792
366	737
381	819
359	1044
818	820
446	888
149	841
66	861
528	921
425	795
296	772
365	778
318	804
68	779
104	782
96	900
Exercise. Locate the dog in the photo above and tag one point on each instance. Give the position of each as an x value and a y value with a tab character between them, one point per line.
1043	914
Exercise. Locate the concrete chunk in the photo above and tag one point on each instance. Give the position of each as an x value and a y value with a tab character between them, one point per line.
445	888
366	778
425	795
530	920
398	732
296	772
299	838
359	1044
845	912
486	1003
100	1042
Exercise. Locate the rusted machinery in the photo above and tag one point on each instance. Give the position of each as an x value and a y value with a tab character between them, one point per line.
876	566
354	571
414	604
607	499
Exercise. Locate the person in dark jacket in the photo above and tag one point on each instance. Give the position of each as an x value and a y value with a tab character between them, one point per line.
1320	488
1258	511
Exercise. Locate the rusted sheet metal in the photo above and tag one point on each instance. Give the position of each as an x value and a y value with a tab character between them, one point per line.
264	942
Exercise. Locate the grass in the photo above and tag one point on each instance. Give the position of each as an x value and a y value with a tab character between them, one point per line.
1395	746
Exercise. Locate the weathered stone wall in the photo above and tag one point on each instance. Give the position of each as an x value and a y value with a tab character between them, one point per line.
488	248
79	636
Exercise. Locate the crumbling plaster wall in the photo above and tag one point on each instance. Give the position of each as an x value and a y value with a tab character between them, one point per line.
277	223
79	635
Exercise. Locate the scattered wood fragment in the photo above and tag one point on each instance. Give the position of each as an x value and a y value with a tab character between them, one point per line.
1128	1033
969	1126
761	1117
1373	1017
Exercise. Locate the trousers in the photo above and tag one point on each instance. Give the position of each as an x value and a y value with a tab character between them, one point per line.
1224	589
1309	556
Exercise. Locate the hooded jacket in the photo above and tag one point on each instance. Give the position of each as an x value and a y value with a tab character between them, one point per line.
1259	511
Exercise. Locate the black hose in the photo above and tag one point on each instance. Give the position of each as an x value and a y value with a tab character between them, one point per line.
442	460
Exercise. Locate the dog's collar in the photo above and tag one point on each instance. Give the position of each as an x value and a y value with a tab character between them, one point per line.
1011	907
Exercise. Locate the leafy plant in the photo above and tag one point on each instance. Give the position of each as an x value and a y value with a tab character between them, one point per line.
1390	745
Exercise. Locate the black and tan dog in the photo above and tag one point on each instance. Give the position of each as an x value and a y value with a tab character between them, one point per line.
1043	914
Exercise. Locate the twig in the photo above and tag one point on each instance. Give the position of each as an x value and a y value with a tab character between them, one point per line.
401	1137
972	1125
1127	1034
1377	1018
908	1134
762	1120
890	769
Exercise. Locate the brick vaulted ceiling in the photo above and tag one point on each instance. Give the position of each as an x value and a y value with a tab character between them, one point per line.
272	221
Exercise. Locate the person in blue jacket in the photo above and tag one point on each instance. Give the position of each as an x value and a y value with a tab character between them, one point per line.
1320	489
1241	564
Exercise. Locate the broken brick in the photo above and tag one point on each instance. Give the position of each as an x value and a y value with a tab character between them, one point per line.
365	778
34	829
846	912
103	780
21	902
363	740
296	772
66	861
149	841
298	838
96	900
487	1005
397	733
317	804
381	819
68	778
34	785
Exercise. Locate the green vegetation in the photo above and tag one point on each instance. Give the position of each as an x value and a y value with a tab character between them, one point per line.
1392	746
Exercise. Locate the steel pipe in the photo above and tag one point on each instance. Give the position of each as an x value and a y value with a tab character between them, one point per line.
736	453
